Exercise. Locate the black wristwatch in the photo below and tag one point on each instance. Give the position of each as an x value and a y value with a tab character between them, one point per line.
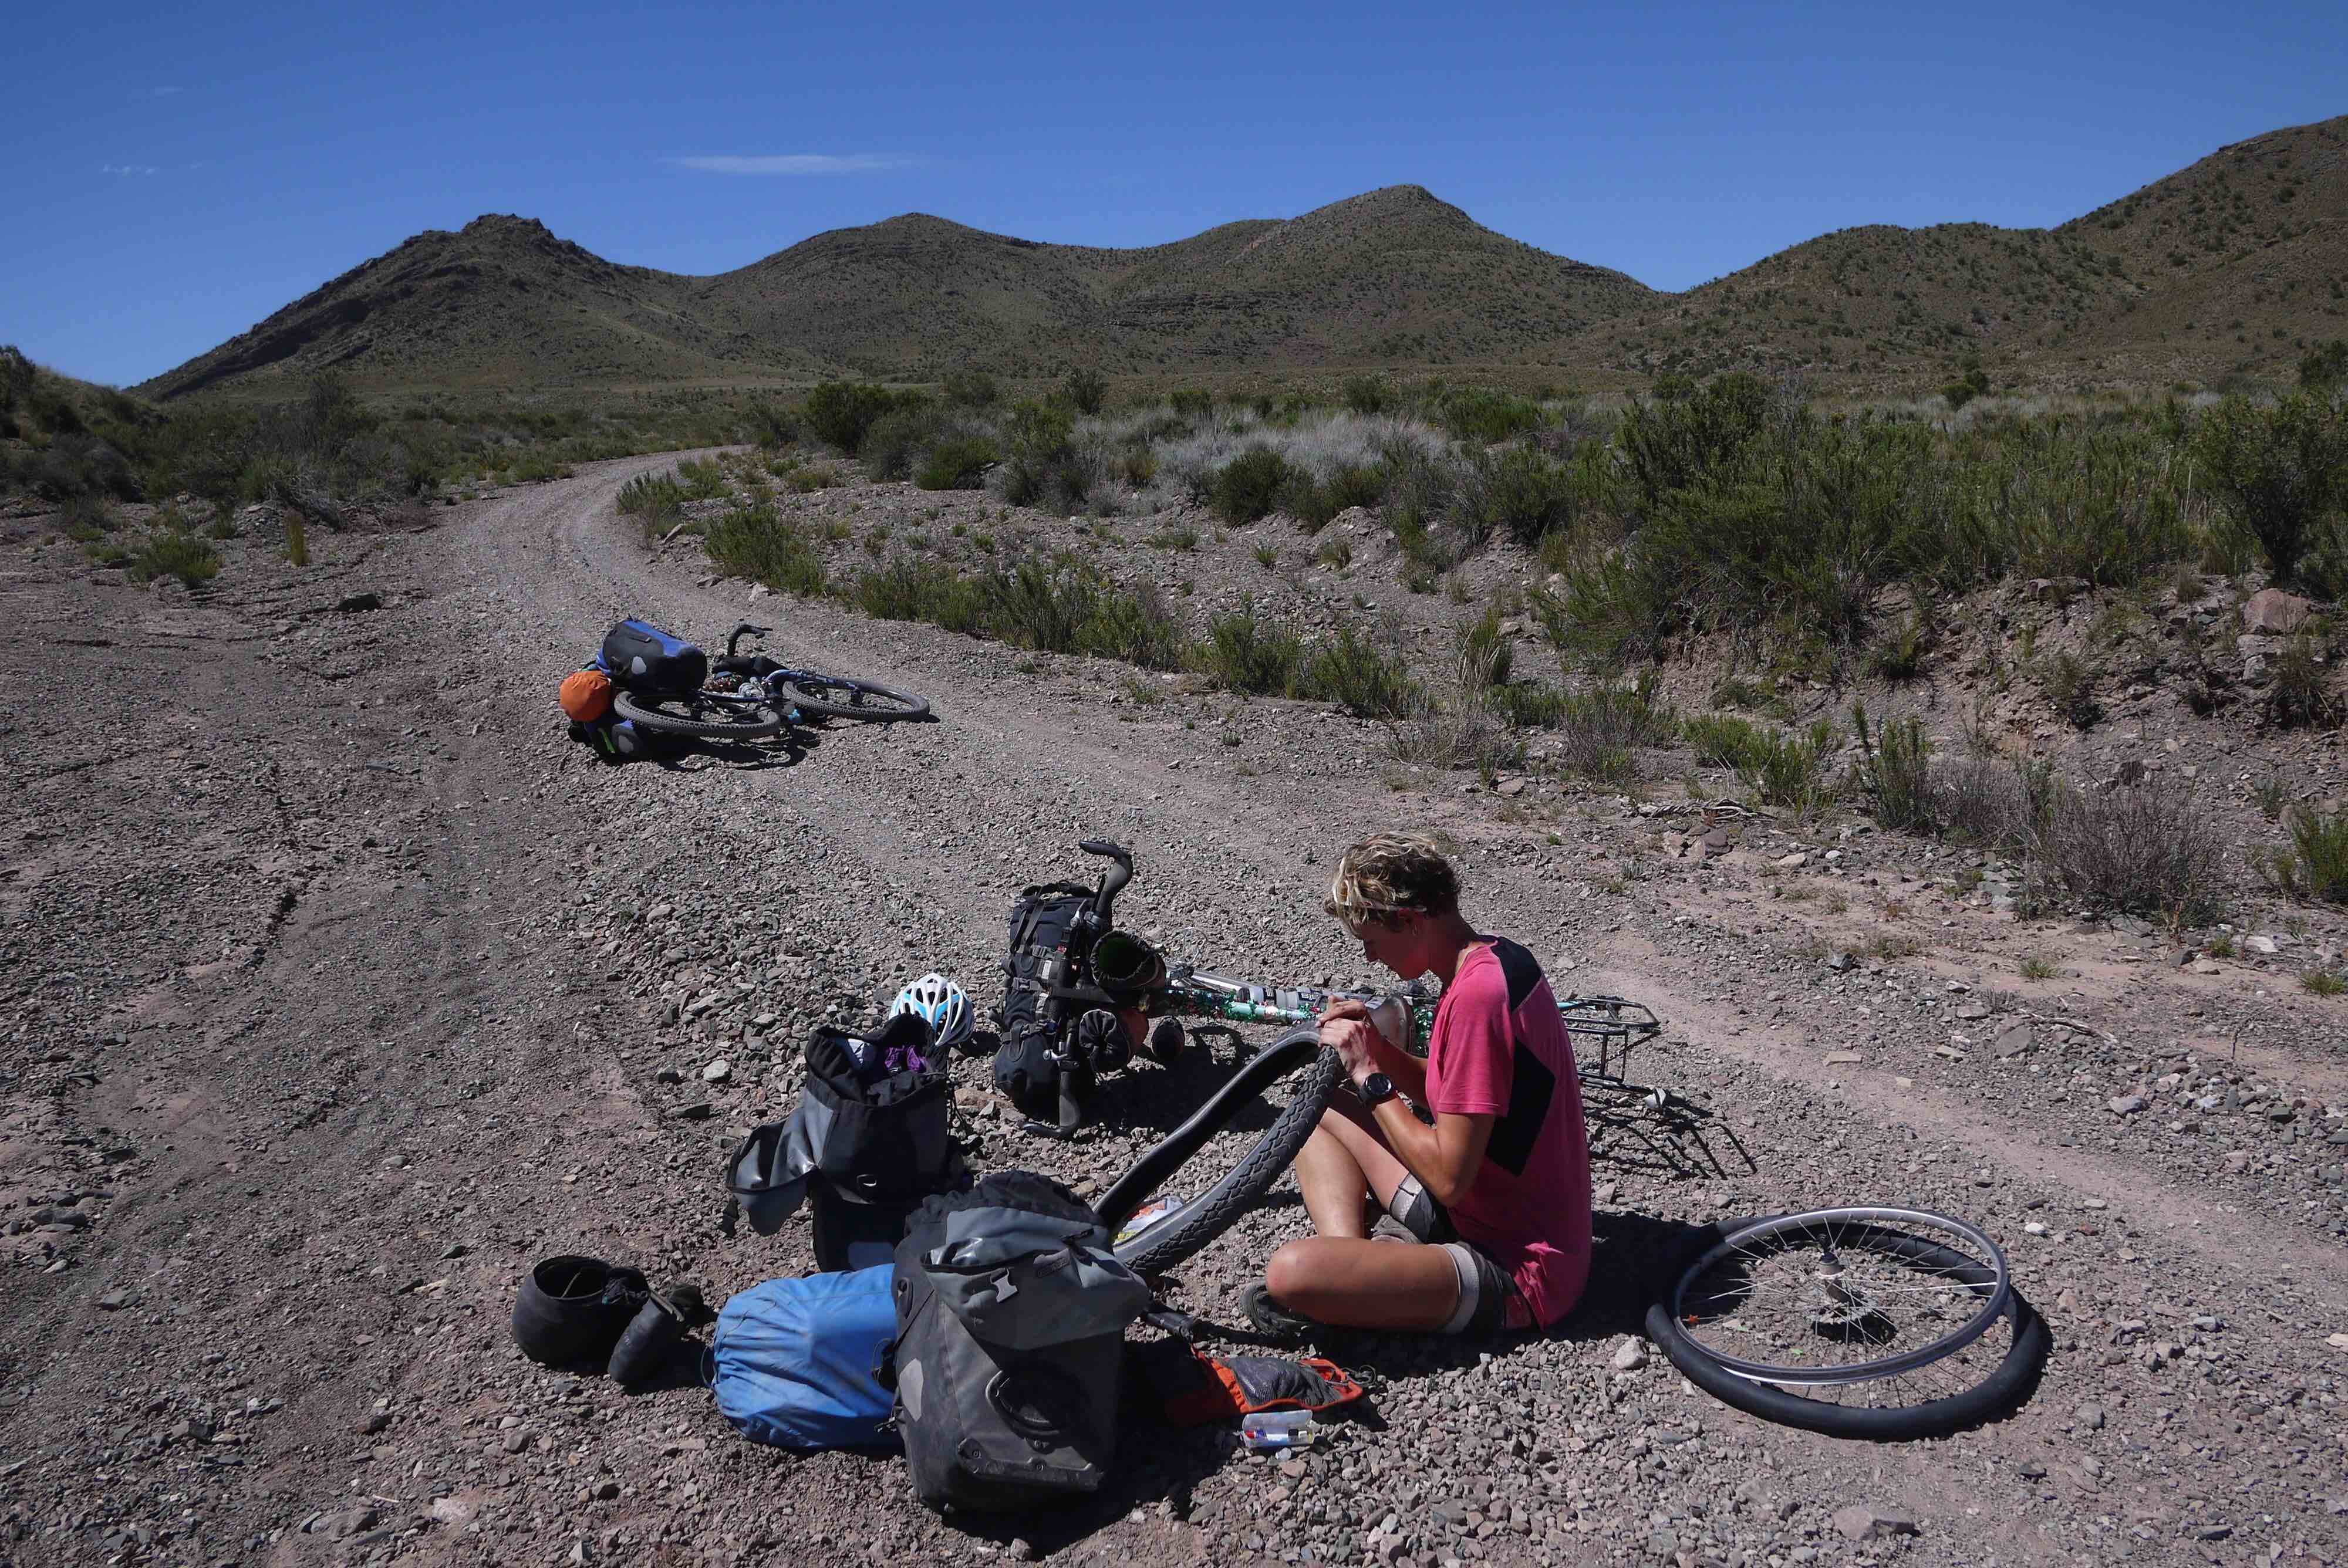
1377	1090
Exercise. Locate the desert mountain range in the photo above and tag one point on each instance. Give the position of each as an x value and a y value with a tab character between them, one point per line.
2228	268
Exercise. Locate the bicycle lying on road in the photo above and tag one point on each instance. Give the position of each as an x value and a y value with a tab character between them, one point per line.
748	696
1884	1322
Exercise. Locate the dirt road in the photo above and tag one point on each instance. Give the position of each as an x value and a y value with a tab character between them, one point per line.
341	988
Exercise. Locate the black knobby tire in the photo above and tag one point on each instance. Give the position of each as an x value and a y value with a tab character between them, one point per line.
2006	1377
1173	1240
838	697
694	716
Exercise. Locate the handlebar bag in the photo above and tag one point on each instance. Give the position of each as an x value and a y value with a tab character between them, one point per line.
642	657
885	1139
1043	923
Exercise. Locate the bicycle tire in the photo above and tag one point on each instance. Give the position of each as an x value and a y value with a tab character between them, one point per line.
1810	1397
888	706
1175	1239
756	720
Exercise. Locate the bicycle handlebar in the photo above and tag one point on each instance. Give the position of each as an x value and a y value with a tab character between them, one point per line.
1114	878
741	630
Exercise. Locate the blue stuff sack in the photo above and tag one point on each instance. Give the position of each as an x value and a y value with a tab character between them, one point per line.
795	1360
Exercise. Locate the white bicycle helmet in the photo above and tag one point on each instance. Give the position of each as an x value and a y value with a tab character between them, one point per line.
939	1000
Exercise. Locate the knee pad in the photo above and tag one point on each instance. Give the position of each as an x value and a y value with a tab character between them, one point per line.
1483	1292
1417	1213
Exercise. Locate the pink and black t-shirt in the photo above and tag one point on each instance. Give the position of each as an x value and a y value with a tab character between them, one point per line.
1500	1048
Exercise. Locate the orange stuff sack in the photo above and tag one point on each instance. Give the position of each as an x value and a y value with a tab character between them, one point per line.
586	696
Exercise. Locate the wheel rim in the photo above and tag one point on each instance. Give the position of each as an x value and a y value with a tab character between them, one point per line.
749	717
1836	1298
863	700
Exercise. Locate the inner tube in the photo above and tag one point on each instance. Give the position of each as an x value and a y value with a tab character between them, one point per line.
1188	1229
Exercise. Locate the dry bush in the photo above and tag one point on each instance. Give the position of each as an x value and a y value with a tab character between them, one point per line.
2147	849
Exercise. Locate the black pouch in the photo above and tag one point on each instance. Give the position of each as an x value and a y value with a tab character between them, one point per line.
644	658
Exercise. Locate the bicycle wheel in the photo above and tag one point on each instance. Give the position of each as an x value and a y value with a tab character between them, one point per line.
1187	1231
838	697
1860	1322
690	714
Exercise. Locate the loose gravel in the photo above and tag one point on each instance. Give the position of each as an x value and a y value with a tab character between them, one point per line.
343	988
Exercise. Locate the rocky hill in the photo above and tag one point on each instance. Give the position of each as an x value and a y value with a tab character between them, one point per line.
2231	267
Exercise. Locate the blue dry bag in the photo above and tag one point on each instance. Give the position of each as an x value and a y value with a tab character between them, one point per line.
795	1360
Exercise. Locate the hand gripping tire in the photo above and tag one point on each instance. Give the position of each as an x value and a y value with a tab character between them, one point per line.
1886	1272
1216	1210
838	697
687	715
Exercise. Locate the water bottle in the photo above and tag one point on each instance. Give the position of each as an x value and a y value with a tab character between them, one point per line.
1270	1430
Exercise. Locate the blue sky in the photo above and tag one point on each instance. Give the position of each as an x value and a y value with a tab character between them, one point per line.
177	173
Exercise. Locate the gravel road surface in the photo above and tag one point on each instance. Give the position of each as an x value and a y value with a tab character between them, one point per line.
341	986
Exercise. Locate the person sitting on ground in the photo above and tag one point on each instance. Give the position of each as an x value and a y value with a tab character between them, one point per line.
1492	1177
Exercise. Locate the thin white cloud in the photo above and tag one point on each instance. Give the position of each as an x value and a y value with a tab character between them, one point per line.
801	163
128	168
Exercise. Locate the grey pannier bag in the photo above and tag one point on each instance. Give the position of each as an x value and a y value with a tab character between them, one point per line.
868	1144
1010	1320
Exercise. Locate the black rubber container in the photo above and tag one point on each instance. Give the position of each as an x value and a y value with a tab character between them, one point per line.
574	1309
644	1352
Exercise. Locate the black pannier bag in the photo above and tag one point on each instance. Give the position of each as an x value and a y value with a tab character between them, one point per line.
868	1140
644	658
1043	921
1010	1319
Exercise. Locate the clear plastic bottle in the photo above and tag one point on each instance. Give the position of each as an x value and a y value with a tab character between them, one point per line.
1277	1429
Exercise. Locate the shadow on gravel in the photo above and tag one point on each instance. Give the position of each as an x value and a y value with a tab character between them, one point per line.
1161	1099
787	750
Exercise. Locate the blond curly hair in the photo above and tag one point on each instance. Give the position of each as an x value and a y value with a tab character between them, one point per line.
1390	873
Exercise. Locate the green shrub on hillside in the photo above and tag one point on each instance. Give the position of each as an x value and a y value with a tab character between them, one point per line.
1894	771
1249	486
1522	493
958	464
2324	366
655	499
969	389
1725	741
175	552
2283	470
1044	462
1786	768
1486	415
841	413
1085	390
1669	446
1354	671
1313	502
1244	651
896	441
769	428
756	543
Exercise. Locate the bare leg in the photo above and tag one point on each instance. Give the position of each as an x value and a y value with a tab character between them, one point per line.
1339	1276
1343	1166
1365	1283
